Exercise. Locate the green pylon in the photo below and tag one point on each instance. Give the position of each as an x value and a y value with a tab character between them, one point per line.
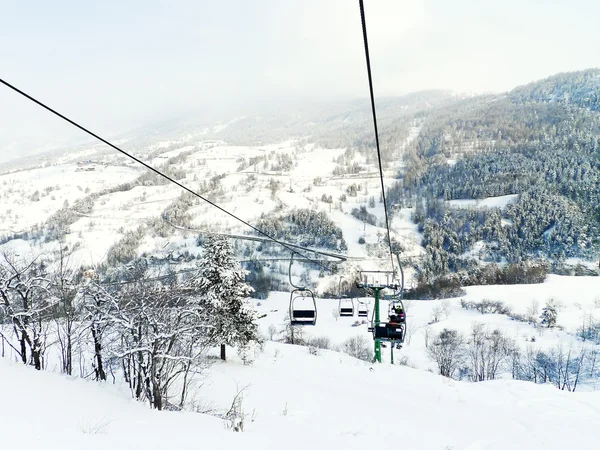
377	291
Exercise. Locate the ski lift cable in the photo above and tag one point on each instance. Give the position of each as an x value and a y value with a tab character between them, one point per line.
368	59
158	172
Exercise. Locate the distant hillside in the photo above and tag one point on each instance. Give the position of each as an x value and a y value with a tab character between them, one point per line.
581	89
540	141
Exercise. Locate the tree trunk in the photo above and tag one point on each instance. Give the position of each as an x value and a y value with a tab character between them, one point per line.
157	400
223	354
23	348
69	355
100	373
37	359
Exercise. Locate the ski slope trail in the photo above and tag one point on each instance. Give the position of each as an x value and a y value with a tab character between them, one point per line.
296	399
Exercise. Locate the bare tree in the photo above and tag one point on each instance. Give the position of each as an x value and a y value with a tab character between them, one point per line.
293	334
26	299
358	347
447	350
533	311
163	333
486	352
97	320
67	311
565	368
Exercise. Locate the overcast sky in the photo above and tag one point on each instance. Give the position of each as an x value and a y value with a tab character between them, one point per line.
118	64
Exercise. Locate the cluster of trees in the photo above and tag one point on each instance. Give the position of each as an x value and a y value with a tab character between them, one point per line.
283	162
484	355
352	168
432	286
151	331
363	215
304	227
540	142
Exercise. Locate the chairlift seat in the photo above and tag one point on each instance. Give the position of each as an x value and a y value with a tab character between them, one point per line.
395	331
389	331
345	312
303	314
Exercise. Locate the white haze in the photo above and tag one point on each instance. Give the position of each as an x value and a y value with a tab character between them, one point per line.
116	66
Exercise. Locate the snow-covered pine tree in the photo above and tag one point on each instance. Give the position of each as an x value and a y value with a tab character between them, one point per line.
221	283
549	314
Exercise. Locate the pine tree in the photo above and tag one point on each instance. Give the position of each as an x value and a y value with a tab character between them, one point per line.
221	283
549	314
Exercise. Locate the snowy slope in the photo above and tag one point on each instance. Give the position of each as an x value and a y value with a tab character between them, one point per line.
296	400
245	179
572	311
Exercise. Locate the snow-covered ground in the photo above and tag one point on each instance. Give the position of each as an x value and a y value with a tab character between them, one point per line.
489	202
249	185
28	197
296	399
431	316
293	398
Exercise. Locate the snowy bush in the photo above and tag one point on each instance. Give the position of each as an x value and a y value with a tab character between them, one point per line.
272	331
294	334
447	351
322	342
549	314
358	347
486	306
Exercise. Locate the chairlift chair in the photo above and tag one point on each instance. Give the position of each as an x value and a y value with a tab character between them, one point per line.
394	330
363	309
346	307
303	306
345	304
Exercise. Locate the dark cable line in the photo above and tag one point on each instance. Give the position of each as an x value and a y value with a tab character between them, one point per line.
387	222
157	171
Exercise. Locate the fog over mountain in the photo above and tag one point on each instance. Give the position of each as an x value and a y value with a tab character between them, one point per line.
124	67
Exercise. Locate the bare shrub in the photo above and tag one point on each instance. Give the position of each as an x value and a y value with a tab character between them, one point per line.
447	350
358	347
486	352
272	331
486	306
95	427
313	350
294	334
322	342
235	416
436	314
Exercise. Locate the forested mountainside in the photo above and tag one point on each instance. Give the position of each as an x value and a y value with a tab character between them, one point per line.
539	143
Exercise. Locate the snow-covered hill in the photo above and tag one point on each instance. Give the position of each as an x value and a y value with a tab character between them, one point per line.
102	200
293	396
295	399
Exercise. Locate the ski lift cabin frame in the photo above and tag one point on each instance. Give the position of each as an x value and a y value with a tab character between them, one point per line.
301	316
362	309
345	304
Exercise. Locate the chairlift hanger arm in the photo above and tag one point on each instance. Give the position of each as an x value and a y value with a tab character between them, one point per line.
401	275
290	275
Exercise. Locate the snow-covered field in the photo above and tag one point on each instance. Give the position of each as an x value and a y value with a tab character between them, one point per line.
431	316
249	183
28	197
490	202
296	399
292	398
